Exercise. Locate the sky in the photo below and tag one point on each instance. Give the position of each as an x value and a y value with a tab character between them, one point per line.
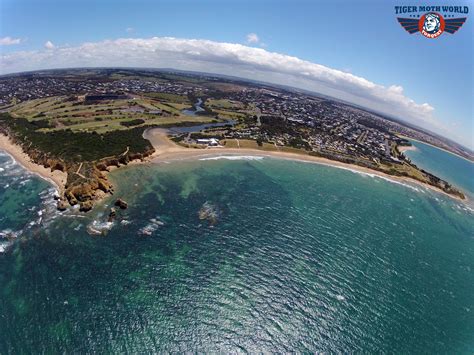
352	50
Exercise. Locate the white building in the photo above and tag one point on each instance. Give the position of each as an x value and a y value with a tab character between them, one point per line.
211	142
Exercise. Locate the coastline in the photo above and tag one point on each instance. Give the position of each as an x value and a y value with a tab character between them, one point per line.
56	178
166	150
434	146
403	149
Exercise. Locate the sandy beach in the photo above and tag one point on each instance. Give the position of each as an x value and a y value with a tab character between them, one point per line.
167	150
57	178
434	146
406	148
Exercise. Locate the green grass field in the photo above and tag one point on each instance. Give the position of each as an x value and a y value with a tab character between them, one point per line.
63	112
168	97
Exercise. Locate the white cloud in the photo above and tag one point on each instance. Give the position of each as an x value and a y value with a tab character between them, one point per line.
225	58
252	38
49	45
129	30
8	41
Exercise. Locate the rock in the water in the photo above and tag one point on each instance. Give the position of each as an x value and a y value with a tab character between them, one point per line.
121	203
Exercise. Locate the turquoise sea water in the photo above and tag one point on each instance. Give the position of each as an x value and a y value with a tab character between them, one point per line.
458	171
24	198
300	257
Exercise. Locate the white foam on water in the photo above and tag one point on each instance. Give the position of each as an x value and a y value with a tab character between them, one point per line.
21	170
363	173
5	233
43	214
151	227
24	182
99	227
48	209
399	183
467	208
9	233
234	157
3	247
340	298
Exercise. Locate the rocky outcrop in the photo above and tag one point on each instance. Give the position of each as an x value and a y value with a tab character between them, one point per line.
87	182
102	166
43	159
62	205
86	206
86	179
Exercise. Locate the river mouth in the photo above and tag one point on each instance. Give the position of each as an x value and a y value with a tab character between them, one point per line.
196	110
155	135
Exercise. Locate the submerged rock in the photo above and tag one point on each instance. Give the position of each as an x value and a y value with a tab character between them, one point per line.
209	212
121	203
112	214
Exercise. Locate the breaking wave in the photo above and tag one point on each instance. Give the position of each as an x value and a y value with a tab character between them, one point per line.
234	157
151	227
98	227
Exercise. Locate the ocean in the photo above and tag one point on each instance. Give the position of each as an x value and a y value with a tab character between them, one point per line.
458	171
240	254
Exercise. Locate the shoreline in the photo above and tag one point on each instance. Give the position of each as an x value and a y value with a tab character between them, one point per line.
56	178
434	146
403	149
166	150
211	153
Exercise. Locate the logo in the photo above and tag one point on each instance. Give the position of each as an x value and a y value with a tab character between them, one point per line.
431	23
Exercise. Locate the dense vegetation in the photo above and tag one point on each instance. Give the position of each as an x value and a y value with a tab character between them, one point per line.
76	146
131	123
274	125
